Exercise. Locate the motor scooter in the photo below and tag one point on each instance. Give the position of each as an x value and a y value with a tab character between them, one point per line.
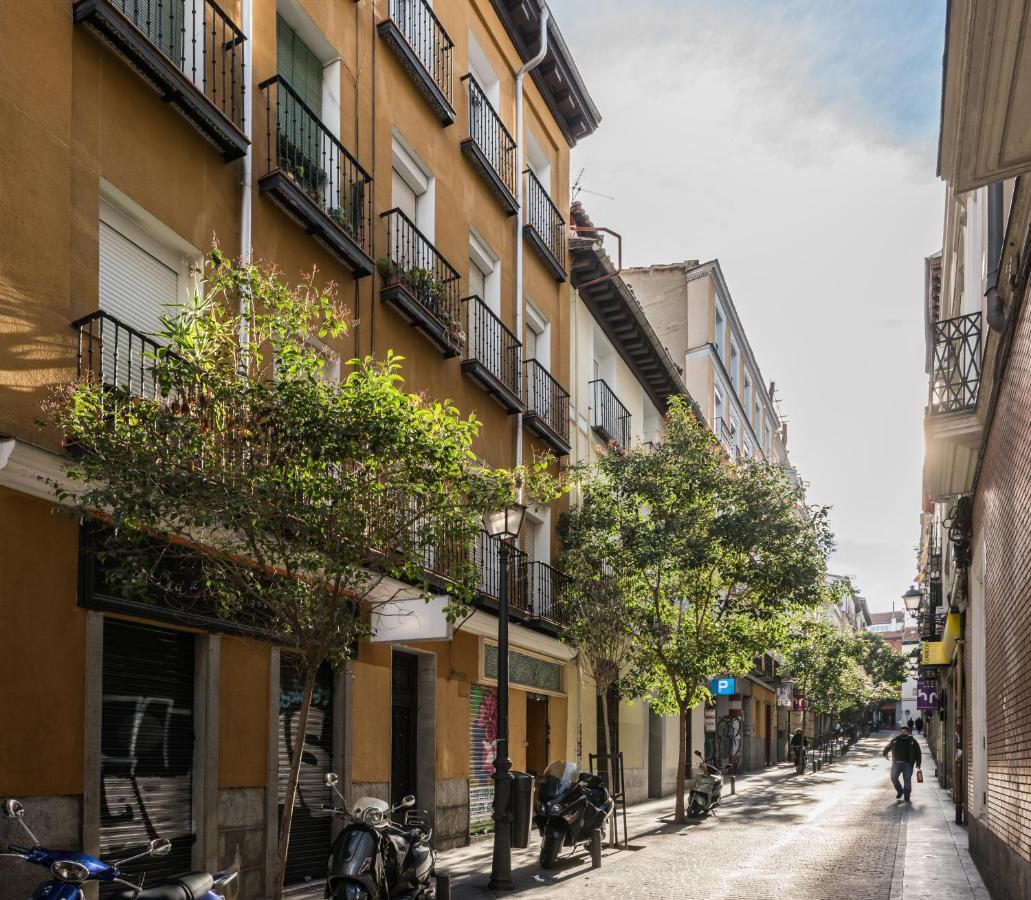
374	858
71	869
572	807
705	789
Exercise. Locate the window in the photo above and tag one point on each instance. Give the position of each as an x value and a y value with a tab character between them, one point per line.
735	364
537	162
528	538
757	415
484	273
477	280
717	403
481	69
768	441
747	399
412	187
530	337
536	336
719	332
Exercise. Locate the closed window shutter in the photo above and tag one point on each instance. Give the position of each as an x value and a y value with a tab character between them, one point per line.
530	344
135	287
401	195
302	70
529	538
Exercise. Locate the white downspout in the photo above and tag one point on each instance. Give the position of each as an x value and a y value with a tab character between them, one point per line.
246	176
530	64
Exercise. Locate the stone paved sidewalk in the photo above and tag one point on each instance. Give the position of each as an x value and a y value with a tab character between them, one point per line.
837	834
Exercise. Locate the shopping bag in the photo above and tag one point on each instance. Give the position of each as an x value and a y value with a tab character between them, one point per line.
919	776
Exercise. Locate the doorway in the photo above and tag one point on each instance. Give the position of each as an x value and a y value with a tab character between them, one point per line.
768	732
538	737
404	741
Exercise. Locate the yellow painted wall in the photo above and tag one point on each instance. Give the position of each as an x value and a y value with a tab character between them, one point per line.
43	655
370	732
243	713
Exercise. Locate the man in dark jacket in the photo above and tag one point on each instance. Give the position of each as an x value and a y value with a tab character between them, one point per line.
905	754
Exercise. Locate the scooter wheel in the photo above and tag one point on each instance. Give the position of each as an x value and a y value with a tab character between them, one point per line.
695	808
551	846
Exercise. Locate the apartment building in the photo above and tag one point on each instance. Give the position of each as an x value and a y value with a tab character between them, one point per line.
973	534
694	317
393	145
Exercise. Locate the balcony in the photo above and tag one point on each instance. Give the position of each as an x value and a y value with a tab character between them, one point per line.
724	432
420	284
544	228
490	148
446	561
544	586
952	425
422	45
492	354
611	419
547	407
192	54
115	355
310	174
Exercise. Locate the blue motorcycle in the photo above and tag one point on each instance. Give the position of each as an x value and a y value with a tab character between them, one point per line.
70	869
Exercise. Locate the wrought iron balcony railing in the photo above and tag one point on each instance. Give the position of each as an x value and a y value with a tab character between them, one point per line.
445	561
421	284
544	585
416	36
490	147
314	178
544	227
611	418
115	354
492	353
547	406
956	364
190	50
724	432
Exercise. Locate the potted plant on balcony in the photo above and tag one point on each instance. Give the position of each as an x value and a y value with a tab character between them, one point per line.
387	269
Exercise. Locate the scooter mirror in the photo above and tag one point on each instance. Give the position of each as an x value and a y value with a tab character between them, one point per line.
160	847
408	800
13	809
698	753
332	779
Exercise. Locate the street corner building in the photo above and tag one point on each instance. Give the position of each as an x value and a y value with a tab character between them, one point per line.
975	606
417	155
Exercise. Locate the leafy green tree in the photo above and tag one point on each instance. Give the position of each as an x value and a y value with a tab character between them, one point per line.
704	558
297	502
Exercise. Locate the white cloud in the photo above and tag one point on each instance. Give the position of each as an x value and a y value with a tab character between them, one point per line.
722	137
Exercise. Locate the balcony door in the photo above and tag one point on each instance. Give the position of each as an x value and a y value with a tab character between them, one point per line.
299	132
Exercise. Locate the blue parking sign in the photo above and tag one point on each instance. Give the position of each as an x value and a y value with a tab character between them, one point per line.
722	687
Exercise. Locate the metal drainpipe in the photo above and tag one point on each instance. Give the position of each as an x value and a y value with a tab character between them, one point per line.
994	312
248	161
529	65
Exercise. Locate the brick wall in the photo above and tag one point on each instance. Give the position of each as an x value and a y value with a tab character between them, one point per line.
1002	513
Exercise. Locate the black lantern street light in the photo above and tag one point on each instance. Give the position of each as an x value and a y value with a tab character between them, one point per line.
912	599
504	526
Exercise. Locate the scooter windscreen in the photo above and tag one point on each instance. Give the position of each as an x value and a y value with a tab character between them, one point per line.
558	778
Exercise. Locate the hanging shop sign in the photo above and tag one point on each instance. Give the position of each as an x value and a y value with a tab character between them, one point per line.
939	653
411	620
785	692
710	720
927	694
722	687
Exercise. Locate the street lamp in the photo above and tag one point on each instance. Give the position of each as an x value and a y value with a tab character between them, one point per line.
912	599
503	525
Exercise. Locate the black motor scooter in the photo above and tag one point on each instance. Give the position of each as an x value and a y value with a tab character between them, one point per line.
375	858
573	807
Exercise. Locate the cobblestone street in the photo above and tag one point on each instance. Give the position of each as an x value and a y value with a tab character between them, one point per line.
835	834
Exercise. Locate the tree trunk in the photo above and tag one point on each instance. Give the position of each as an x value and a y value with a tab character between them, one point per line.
606	748
291	785
682	760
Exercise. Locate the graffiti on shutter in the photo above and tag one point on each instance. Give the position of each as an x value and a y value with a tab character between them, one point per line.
146	745
310	827
483	744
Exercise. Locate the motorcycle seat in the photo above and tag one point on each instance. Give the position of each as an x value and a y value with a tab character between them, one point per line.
184	887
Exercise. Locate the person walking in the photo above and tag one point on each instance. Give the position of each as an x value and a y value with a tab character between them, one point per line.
919	725
905	754
909	724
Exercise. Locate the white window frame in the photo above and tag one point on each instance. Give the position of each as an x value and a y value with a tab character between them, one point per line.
720	332
295	16
488	262
718	403
417	175
537	161
537	322
481	69
734	366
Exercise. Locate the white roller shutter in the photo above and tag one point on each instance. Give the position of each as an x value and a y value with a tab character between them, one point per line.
135	286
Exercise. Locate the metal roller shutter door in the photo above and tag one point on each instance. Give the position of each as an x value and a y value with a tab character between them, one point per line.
310	829
483	731
147	743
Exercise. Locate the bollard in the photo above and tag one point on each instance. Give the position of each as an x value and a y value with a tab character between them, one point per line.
732	784
443	887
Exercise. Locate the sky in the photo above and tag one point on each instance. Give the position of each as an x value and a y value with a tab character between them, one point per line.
796	142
